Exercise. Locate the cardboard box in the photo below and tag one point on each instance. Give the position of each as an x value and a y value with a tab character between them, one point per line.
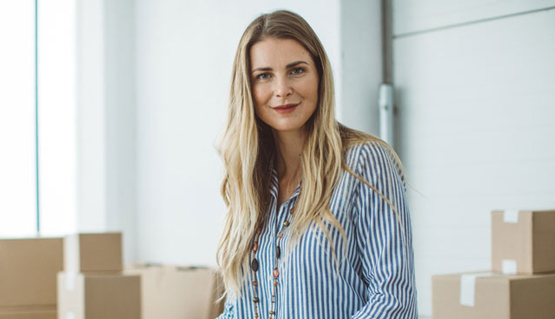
93	253
523	241
171	292
493	295
28	269
99	296
36	312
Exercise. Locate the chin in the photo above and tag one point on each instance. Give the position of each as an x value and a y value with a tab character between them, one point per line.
287	127
285	124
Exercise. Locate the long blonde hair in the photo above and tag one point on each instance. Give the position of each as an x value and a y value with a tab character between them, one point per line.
247	148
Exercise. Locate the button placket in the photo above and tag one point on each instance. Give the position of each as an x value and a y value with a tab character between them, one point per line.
279	219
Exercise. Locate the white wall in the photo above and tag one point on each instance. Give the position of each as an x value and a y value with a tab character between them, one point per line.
105	117
90	115
184	53
361	64
476	126
419	16
120	122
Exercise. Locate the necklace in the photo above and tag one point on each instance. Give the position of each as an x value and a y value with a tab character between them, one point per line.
255	265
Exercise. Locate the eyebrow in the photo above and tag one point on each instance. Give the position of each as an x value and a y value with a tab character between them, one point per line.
290	65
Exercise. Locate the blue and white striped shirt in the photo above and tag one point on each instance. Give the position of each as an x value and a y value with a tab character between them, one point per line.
376	281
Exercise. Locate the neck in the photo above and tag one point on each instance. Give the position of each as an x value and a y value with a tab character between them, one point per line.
289	150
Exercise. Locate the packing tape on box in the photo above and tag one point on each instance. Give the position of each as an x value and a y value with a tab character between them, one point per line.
468	288
70	315
510	216
71	277
508	266
71	256
71	260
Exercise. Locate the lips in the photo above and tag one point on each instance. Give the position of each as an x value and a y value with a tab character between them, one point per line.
286	108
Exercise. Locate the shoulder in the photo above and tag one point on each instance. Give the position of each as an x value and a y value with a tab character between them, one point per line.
367	153
374	160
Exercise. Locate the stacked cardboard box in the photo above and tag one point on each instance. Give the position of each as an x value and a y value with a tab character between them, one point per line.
28	268
29	313
522	282
92	285
523	242
172	292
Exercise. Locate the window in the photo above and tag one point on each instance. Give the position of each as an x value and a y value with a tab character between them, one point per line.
26	133
18	200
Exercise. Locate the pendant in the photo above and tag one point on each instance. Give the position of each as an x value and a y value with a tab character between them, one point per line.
254	264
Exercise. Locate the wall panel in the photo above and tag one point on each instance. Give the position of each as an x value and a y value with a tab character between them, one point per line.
476	132
414	16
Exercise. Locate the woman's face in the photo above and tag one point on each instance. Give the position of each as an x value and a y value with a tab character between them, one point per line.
284	83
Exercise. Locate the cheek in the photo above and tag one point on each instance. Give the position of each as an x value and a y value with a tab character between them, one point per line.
310	89
259	95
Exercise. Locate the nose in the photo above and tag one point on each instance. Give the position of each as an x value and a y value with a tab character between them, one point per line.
283	87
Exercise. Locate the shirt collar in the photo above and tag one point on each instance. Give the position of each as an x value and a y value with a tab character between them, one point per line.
274	186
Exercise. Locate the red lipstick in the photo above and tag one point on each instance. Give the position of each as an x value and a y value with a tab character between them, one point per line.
286	108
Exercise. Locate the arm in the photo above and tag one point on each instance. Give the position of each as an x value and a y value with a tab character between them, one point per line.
384	238
228	311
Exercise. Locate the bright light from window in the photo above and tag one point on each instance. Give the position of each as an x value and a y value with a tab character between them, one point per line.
57	141
17	118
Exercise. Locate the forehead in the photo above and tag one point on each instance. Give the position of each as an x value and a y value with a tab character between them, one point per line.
277	53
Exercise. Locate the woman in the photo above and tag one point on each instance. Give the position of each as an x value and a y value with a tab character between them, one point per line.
317	223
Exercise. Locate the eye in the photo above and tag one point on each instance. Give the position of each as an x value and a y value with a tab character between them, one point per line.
263	76
297	71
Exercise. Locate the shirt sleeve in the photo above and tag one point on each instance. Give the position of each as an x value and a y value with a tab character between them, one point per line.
384	238
228	311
